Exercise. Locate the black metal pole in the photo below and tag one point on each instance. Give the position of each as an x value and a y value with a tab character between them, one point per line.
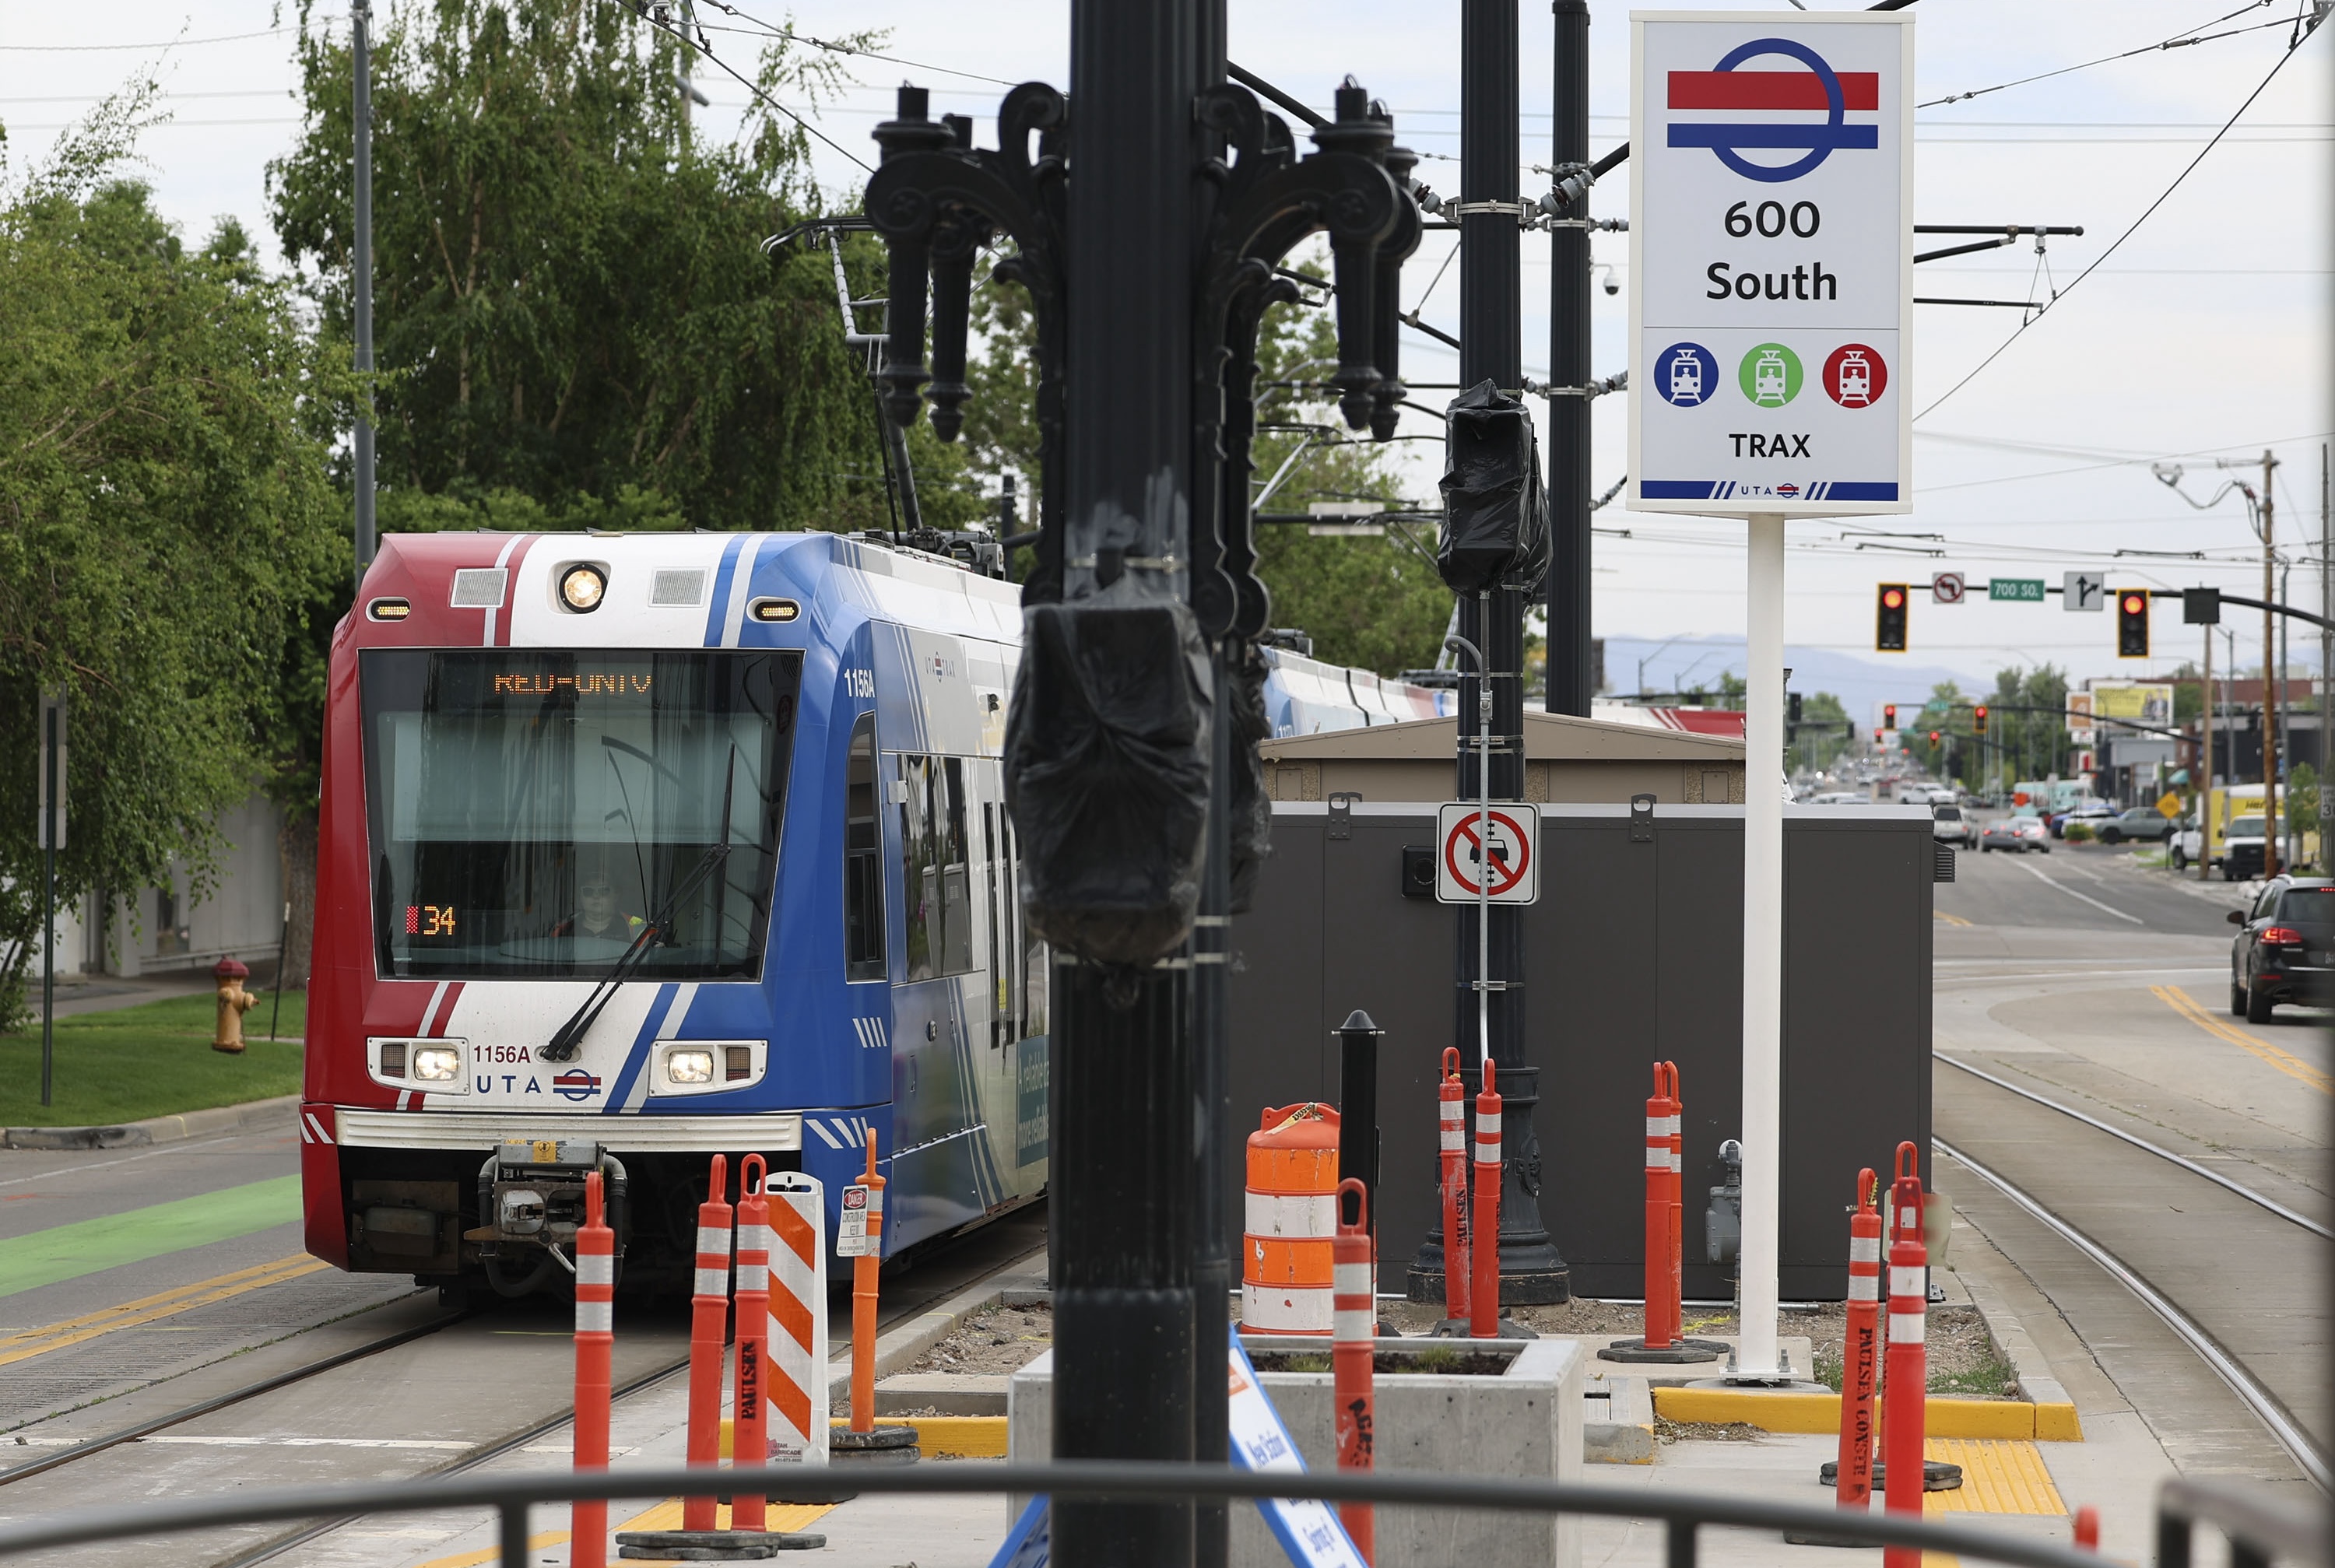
1491	339
1572	684
1125	1087
361	266
1358	1109
51	809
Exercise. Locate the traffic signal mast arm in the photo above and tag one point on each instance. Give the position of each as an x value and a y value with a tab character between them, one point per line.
2220	597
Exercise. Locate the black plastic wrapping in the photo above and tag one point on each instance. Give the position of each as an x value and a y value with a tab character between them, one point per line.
1496	521
1107	775
1249	808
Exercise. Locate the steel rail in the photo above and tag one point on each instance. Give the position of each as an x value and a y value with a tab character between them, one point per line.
2265	1404
1684	1513
131	1434
2216	1177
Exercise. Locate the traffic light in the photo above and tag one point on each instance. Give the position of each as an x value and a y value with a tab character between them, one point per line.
1889	619
1977	717
2132	623
1889	716
1933	737
1793	703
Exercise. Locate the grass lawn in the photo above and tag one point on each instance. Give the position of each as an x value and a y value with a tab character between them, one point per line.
152	1059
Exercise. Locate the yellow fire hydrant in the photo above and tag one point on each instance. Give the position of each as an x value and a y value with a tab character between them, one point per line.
234	1002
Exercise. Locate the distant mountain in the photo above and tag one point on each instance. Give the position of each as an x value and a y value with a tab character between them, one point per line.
1861	684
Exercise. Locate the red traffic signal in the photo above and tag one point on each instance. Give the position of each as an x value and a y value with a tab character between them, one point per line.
1889	716
1933	737
1979	715
1889	613
2132	623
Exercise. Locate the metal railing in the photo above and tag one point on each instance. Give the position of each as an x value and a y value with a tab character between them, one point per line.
2260	1524
1683	1515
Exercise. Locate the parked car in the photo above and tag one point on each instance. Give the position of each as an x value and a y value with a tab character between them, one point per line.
1948	826
2243	849
2284	951
2014	836
2142	824
2087	809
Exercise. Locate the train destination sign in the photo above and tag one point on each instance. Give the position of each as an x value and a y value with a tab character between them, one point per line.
1770	262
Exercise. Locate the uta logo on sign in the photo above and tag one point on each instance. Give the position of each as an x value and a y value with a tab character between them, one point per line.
1838	93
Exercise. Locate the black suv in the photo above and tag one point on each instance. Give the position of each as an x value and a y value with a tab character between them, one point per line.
2285	947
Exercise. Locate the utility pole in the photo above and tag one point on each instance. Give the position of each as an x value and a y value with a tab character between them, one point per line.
1571	685
360	264
2205	793
2326	661
2272	818
1491	348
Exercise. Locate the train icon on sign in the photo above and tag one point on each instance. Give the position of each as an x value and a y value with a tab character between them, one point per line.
1855	375
1686	375
1838	93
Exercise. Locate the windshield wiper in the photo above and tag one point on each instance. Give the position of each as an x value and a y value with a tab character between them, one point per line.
568	1038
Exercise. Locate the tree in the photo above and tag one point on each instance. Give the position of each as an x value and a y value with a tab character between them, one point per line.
165	516
2033	743
1818	748
576	324
1374	603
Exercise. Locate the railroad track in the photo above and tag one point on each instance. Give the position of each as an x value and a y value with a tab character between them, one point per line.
2095	1211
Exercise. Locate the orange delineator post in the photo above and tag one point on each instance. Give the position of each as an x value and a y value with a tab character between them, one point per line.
1660	1110
1483	1219
1355	1315
2088	1528
750	1442
596	1339
1676	1183
1908	1372
707	1320
1860	1358
863	1301
1451	1108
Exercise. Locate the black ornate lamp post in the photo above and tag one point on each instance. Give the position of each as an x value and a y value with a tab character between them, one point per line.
1147	214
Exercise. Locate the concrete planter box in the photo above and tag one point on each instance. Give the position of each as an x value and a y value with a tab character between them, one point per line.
1524	1424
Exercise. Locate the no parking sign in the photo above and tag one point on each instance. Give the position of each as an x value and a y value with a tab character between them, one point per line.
1514	860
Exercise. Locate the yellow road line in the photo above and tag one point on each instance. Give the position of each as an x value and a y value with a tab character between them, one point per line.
25	1344
664	1515
1949	919
1998	1476
2286	1061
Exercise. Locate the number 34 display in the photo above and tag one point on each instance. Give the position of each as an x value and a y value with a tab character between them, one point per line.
1771	253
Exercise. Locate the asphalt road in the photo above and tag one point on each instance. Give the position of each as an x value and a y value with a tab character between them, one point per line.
2103	984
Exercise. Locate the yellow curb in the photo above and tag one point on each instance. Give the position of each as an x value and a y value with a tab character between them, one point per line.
959	1436
1787	1410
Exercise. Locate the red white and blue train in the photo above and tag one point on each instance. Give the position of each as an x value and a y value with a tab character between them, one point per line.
638	848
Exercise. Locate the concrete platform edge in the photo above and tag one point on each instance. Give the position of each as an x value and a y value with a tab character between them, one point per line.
249	1116
2055	1412
899	1346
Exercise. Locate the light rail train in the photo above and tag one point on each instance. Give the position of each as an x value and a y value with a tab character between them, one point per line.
637	849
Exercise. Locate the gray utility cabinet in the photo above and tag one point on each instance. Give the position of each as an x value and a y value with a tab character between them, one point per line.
1634	953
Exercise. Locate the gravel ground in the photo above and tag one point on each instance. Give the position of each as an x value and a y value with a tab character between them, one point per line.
1962	1360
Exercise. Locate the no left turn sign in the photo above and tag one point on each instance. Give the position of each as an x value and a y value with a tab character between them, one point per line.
1514	873
1946	588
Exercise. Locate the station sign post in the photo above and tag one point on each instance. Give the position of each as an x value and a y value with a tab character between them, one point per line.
1771	267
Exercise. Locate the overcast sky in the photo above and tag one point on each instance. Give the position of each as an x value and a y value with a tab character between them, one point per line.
2206	334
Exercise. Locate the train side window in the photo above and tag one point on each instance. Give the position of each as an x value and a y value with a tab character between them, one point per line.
863	859
919	874
955	868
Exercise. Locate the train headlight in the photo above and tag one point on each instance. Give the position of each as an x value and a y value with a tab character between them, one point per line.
581	589
689	1066
436	1064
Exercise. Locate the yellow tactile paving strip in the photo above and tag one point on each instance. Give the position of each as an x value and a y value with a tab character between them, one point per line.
1999	1476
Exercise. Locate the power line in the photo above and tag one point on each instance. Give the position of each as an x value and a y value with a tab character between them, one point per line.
168	44
672	31
772	30
2178	41
2041	311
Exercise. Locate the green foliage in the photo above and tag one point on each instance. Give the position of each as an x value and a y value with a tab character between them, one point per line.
2301	797
1374	603
1817	749
575	323
166	526
2032	745
2077	831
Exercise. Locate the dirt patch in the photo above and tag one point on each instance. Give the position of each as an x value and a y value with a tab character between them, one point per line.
1453	1362
1001	1340
1706	1432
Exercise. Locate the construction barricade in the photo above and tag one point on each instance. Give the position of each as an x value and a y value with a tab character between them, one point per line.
1451	1113
860	1238
1908	1373
1286	1249
1484	1218
1662	1339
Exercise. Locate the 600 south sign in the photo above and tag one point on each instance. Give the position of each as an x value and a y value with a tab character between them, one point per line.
1771	262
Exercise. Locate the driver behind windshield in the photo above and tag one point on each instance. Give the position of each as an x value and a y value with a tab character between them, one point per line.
598	921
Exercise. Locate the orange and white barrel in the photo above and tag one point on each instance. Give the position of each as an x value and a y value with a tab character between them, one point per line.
1287	1251
798	1340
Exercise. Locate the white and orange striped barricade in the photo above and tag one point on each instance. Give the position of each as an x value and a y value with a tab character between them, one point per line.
798	1339
1291	1221
595	1339
708	1325
1353	1349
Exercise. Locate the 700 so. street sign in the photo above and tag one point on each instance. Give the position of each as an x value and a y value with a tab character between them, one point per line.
1771	262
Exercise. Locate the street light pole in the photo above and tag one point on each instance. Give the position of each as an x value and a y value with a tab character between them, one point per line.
360	267
1571	685
2272	815
1491	348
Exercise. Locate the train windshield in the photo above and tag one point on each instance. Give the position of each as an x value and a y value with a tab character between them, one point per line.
536	814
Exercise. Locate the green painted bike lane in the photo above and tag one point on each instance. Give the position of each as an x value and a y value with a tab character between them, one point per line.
87	1246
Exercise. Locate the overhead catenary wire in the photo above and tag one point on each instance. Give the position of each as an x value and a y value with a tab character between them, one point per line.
755	88
2178	41
2162	197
